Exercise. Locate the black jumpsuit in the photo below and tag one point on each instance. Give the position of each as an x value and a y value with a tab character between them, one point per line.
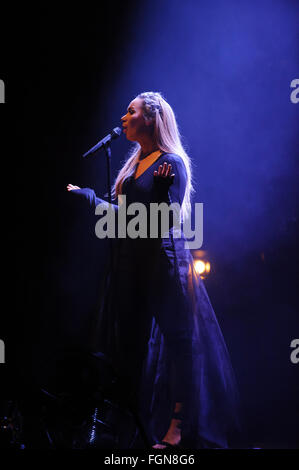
157	325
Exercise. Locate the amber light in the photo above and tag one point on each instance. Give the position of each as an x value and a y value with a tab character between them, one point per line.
201	265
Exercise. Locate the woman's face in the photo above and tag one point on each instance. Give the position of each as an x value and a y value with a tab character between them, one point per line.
134	125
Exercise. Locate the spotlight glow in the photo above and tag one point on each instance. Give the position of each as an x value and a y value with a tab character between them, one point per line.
200	266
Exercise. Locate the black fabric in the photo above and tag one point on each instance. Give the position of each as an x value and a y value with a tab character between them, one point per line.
157	325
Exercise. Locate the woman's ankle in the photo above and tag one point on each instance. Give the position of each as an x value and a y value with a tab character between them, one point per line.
178	411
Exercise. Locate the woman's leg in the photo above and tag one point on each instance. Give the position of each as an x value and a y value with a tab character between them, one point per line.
175	326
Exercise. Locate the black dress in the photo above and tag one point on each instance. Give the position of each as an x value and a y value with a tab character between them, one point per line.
157	325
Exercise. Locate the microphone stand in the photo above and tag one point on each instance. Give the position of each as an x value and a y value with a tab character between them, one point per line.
107	148
140	427
105	143
109	277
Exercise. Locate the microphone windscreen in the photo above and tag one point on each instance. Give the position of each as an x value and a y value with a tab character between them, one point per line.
116	133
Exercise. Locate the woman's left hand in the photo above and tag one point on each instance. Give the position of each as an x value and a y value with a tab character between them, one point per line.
163	173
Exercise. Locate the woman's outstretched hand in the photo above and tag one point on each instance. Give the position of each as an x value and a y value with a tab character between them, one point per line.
163	174
70	187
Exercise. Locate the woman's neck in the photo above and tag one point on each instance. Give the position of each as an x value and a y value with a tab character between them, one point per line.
147	147
145	152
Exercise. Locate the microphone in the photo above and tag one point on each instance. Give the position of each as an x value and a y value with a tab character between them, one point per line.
106	140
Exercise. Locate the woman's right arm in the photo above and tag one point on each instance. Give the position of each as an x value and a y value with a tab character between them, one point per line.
89	195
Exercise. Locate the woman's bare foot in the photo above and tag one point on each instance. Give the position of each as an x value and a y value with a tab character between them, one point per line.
173	435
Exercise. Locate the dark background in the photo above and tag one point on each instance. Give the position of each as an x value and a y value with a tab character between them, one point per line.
226	69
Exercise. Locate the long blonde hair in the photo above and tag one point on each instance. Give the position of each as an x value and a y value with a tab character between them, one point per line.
167	139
